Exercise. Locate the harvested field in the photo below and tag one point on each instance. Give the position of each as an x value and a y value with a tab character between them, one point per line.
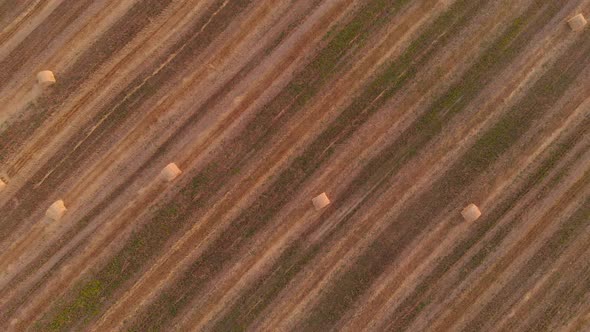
402	112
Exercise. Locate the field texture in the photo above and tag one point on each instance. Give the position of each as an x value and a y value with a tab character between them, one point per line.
402	111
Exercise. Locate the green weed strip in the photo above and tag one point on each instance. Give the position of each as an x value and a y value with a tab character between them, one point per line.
148	241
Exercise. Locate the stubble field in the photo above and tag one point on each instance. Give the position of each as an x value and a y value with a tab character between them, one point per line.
403	112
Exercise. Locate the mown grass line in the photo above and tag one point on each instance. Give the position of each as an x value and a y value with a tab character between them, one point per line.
147	242
109	43
541	260
486	150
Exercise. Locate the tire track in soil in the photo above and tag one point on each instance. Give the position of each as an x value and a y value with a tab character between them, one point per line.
411	302
375	258
250	232
120	110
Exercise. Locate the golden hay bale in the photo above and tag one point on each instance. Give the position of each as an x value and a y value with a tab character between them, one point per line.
471	213
56	210
170	172
577	23
320	201
45	78
2	185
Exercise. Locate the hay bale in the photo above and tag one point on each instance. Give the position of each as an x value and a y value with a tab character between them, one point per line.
56	210
45	78
471	213
170	172
577	23
2	185
320	201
